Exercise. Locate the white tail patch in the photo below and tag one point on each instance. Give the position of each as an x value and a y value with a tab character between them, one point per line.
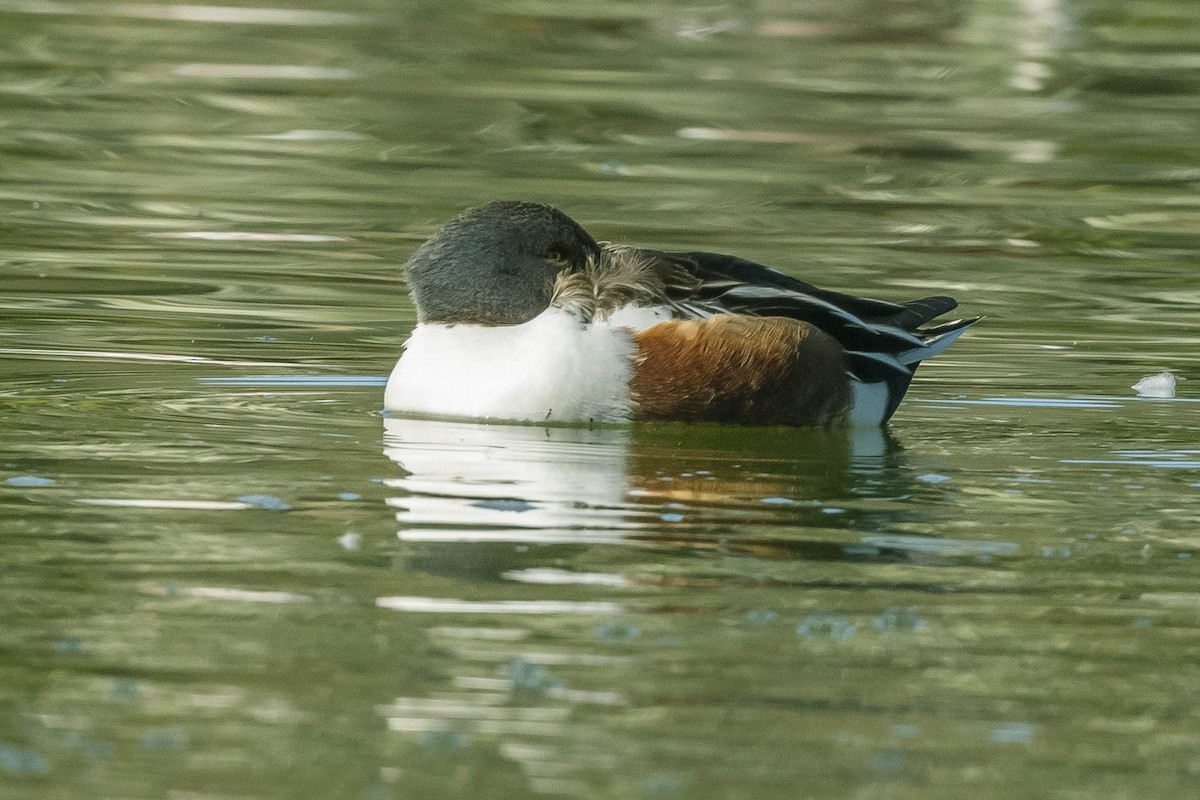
868	403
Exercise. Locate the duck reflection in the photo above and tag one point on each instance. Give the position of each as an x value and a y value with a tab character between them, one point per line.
473	481
561	489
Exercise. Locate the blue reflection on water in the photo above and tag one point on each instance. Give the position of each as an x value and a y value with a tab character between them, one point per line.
19	761
29	481
298	380
1012	733
826	625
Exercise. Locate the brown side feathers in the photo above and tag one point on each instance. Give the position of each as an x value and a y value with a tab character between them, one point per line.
740	369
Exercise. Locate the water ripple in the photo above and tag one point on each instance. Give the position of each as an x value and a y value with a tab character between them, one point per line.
189	13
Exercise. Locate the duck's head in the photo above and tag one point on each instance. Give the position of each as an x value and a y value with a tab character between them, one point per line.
496	264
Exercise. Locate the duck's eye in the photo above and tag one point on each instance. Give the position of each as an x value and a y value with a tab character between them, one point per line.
557	255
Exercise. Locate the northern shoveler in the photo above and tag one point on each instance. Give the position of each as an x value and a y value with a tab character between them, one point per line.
523	316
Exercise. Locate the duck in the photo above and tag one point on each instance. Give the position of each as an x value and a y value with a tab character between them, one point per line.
523	317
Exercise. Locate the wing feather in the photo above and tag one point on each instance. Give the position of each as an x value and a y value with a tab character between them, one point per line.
884	341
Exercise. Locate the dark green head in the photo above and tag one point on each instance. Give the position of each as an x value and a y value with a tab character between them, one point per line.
496	264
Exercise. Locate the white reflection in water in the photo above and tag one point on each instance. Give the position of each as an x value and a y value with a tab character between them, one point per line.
265	72
247	236
306	135
188	13
473	482
449	605
1029	402
513	535
95	354
235	595
147	502
482	482
562	577
1168	459
469	491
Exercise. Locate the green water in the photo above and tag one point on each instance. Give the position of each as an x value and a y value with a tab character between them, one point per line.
223	574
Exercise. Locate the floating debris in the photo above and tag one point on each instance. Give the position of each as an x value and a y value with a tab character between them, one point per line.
1160	385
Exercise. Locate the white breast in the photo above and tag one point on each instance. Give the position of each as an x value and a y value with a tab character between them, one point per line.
554	368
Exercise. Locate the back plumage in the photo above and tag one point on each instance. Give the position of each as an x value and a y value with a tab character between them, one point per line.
884	341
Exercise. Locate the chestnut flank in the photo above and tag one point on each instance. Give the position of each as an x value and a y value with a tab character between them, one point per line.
740	369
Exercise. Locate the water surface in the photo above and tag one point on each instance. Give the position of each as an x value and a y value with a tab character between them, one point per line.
226	575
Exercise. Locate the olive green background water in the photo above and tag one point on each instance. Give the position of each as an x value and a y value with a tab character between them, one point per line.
223	576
